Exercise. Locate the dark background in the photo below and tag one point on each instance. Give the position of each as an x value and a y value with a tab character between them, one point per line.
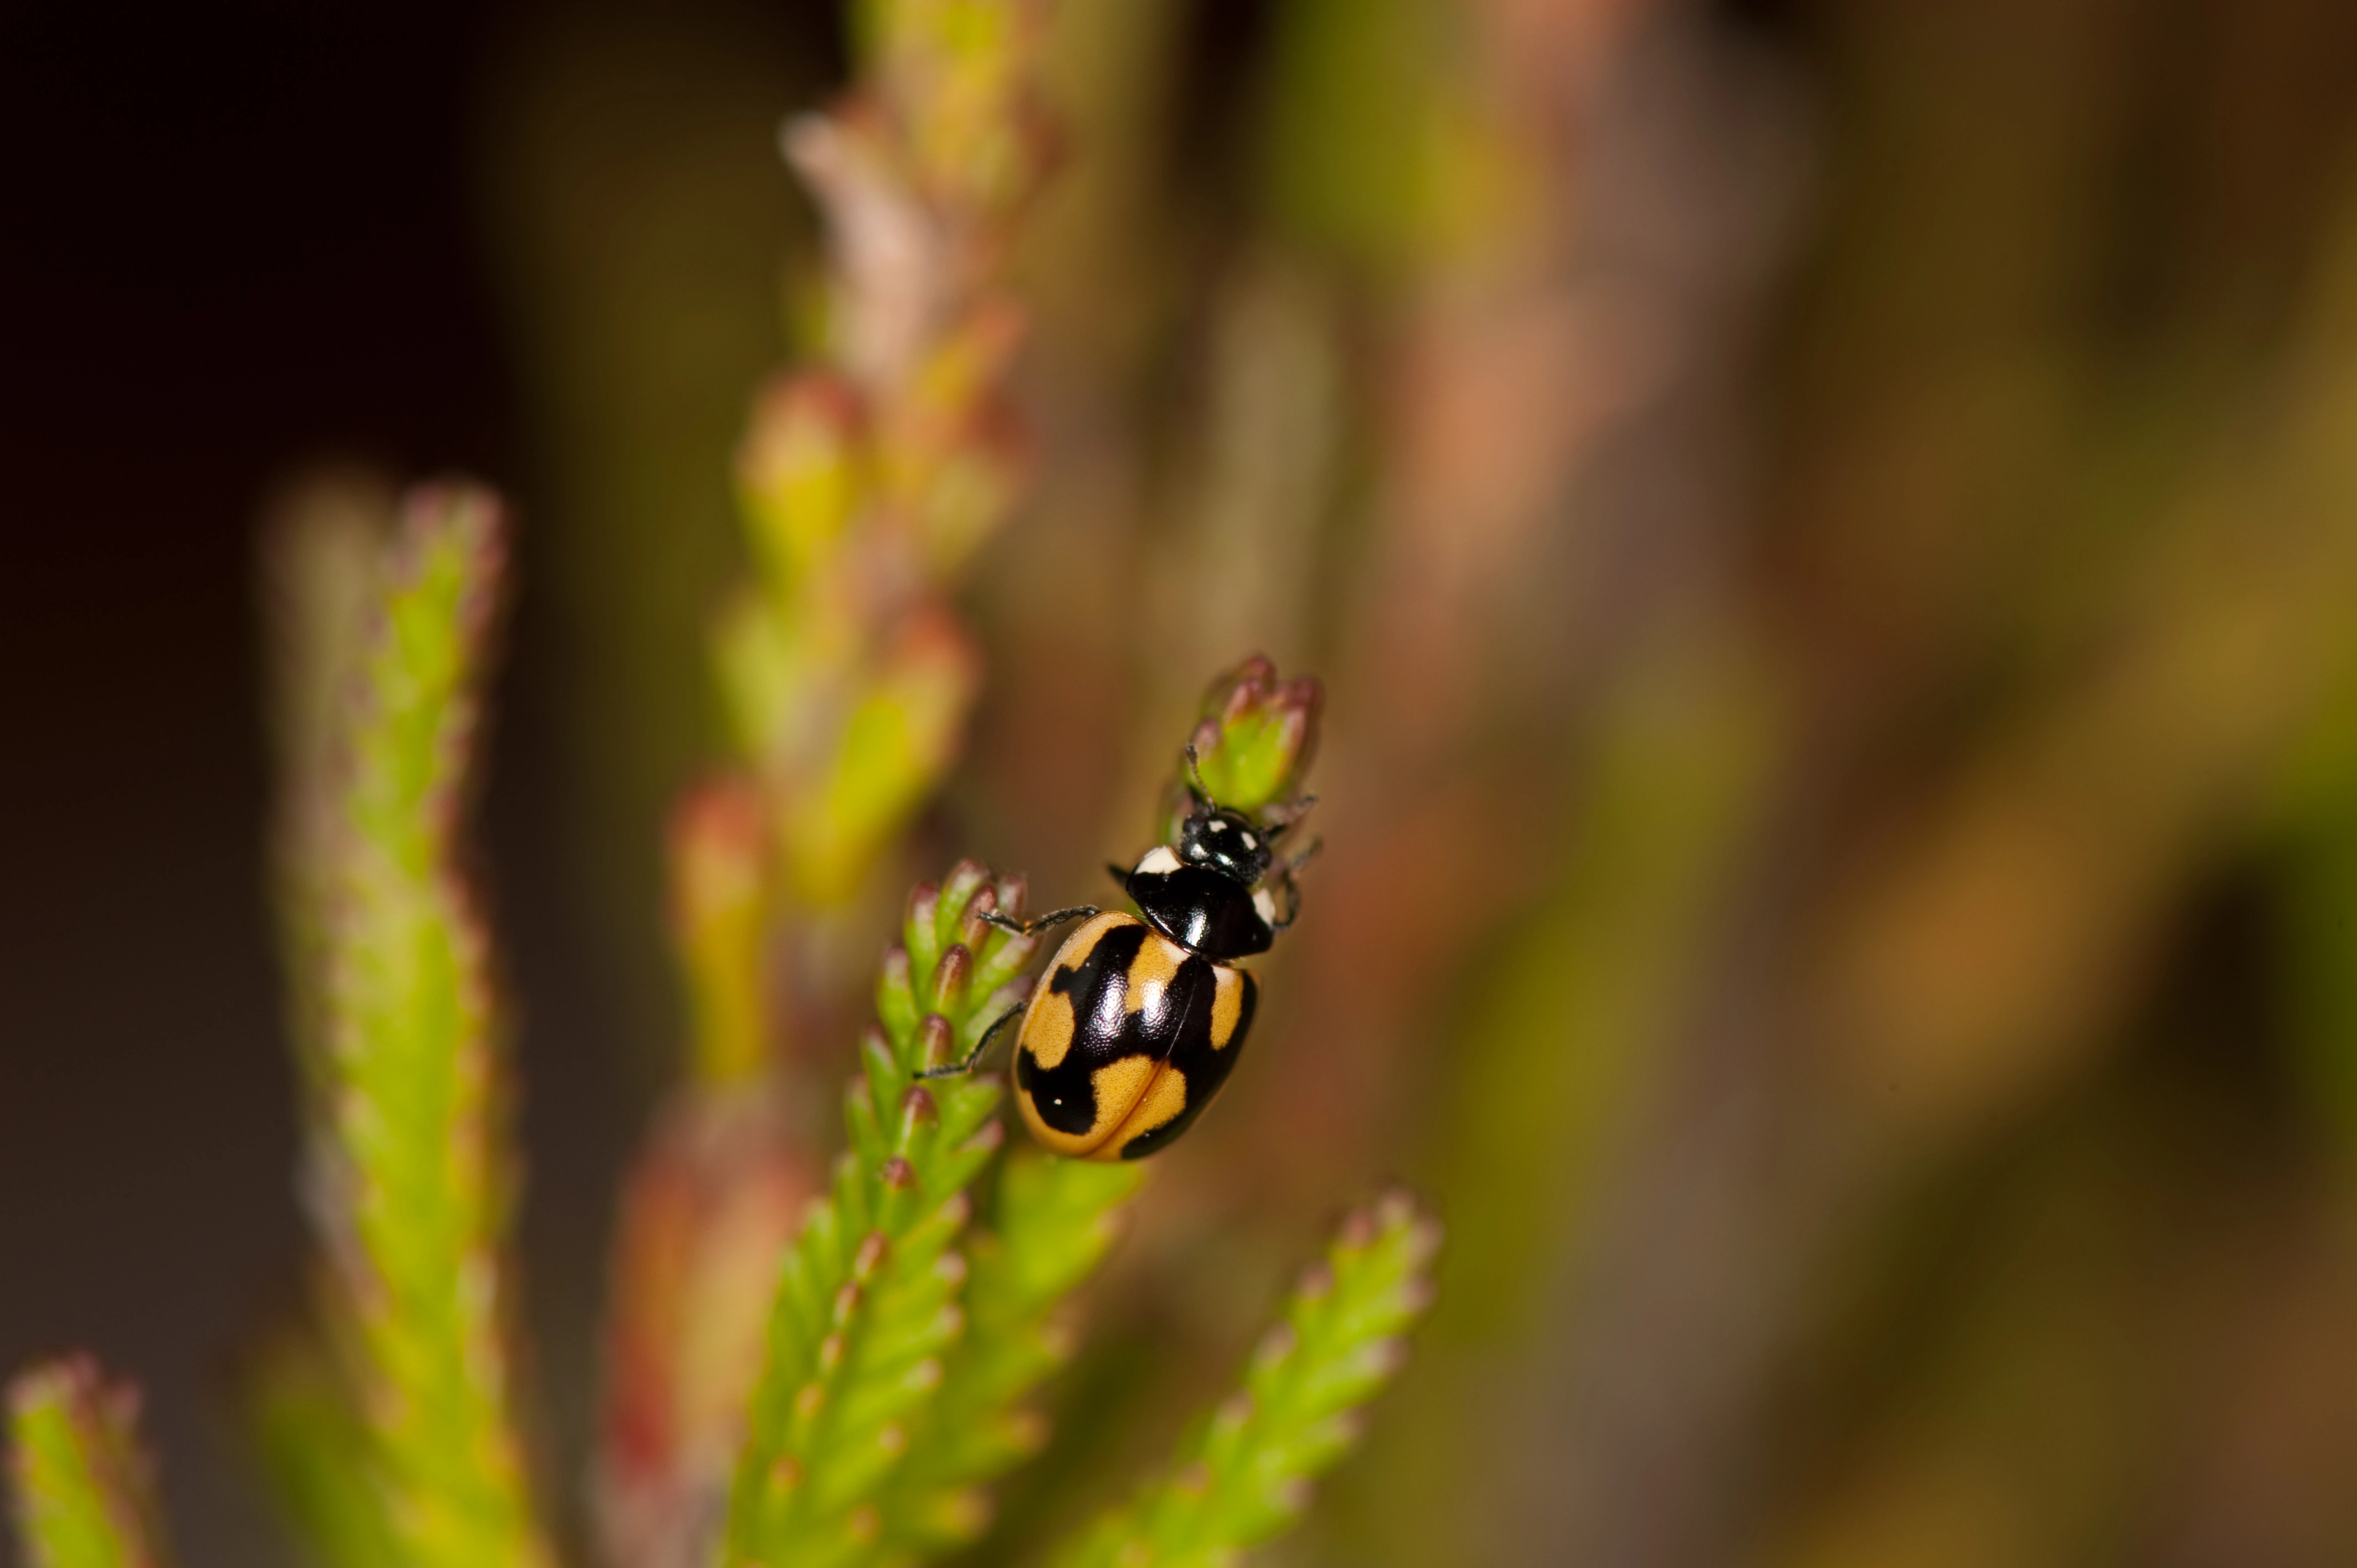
238	237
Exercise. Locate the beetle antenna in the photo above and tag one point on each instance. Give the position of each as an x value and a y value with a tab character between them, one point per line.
1304	858
1202	797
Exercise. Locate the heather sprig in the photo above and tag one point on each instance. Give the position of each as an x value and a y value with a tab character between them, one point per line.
409	1176
1244	1473
84	1494
1052	1224
867	1299
869	475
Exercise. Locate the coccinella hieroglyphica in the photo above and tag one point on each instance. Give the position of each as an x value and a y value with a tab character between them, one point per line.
1138	1022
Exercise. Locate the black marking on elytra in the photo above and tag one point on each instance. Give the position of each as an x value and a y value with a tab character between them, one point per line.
1103	1029
1205	1066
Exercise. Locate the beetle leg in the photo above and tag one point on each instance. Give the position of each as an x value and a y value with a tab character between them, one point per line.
1282	819
1028	928
1291	901
958	1070
1293	889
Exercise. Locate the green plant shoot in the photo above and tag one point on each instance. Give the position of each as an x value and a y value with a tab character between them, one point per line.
1244	1476
1053	1223
867	1301
84	1494
411	1176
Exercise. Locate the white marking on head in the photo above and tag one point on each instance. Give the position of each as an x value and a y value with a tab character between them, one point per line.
1249	842
1158	860
1265	902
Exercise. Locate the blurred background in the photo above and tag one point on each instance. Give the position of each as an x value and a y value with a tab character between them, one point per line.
1830	533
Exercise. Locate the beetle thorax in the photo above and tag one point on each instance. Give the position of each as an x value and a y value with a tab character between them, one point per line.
1205	908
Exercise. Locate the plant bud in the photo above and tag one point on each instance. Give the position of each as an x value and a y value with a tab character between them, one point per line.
799	473
719	855
1255	738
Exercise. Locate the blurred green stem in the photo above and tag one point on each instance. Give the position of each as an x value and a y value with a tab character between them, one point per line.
84	1494
411	1178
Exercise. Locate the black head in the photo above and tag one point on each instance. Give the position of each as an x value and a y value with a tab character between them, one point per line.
1225	842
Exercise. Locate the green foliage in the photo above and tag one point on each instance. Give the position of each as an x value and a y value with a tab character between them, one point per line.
84	1495
716	852
867	480
1051	1226
866	1304
320	565
410	1176
956	74
313	1448
1243	1476
899	1364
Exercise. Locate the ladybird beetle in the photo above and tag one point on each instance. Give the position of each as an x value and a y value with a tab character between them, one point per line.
1138	1022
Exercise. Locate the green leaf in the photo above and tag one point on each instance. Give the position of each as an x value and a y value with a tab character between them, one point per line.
1243	1476
84	1493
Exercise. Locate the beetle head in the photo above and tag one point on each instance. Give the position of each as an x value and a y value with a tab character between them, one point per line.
1226	841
